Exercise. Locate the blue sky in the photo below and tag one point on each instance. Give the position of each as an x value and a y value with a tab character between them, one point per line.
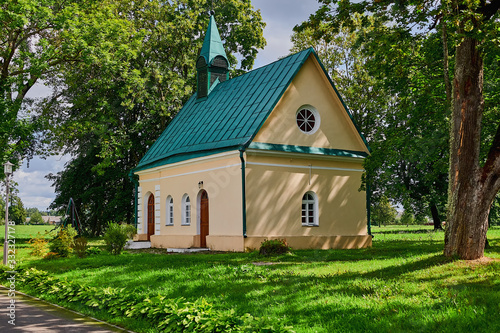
280	16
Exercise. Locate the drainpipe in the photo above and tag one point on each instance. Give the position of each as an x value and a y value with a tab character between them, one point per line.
133	179
243	193
368	208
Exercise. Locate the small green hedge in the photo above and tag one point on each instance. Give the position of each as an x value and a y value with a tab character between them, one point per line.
167	315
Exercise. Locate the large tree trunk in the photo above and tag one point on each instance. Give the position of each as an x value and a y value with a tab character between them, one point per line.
471	188
435	217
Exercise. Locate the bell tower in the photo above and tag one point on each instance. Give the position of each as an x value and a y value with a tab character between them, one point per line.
212	63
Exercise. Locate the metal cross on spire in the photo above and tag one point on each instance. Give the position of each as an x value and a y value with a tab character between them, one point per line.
211	12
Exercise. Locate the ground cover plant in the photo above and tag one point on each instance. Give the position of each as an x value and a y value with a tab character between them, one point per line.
403	283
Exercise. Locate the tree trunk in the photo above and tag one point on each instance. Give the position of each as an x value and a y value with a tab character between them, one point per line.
468	204
435	217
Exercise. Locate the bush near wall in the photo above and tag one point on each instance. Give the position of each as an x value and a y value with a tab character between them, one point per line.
167	315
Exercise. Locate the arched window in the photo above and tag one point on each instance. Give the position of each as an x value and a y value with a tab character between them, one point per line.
310	209
170	211
186	210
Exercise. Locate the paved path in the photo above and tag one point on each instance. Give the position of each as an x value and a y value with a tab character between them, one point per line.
33	315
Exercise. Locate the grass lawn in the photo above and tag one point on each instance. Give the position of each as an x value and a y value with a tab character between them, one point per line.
401	284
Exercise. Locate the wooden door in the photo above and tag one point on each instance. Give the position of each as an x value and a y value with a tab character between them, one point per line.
203	219
151	216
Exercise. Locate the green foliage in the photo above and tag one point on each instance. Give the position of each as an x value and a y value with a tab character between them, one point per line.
17	213
402	284
38	245
31	211
167	315
64	242
2	211
36	218
273	247
51	256
81	246
407	218
383	212
93	251
116	236
38	38
494	217
108	111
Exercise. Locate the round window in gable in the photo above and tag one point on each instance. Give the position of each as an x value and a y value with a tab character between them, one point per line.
308	119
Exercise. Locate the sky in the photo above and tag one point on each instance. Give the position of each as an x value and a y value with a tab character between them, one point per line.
280	17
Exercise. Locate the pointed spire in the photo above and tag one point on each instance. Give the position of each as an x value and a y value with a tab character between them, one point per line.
212	44
212	64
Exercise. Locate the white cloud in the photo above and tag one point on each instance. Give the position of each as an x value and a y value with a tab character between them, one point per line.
34	189
281	16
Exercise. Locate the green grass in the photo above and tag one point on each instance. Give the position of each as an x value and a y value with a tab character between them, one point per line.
401	284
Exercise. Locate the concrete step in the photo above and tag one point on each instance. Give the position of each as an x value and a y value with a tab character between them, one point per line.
173	250
137	245
131	245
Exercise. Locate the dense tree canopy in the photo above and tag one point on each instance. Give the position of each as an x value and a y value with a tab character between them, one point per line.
107	112
38	38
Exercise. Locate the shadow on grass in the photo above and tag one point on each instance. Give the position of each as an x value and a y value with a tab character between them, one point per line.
409	231
375	289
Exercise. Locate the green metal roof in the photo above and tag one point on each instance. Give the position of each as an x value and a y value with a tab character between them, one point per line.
212	44
229	117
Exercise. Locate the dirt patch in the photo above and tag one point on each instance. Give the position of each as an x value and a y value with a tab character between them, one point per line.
478	262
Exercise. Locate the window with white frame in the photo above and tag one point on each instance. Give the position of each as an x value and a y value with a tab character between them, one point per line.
310	209
308	119
186	210
170	211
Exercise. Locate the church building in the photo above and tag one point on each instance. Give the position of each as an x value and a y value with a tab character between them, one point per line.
273	153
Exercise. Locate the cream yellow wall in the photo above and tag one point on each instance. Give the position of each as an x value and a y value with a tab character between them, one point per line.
311	87
276	185
221	177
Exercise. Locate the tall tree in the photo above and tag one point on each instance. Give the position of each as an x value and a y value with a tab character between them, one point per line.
108	112
17	213
473	25
472	186
38	37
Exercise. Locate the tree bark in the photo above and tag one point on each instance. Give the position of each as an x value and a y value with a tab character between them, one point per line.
468	206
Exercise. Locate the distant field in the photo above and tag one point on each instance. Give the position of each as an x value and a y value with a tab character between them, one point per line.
25	232
401	284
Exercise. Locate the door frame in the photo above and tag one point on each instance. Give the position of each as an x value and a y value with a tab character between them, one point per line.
150	216
201	230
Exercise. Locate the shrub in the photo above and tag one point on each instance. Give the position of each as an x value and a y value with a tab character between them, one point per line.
93	250
38	245
274	246
117	235
81	247
51	255
64	241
